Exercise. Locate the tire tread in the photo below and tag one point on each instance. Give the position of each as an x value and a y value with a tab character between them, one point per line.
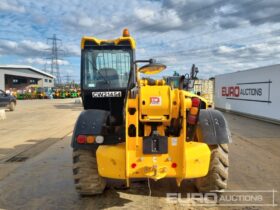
216	179
86	178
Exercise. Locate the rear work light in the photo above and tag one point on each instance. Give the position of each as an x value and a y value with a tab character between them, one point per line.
81	139
99	139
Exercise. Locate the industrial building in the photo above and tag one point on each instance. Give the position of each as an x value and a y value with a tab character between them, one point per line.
23	77
253	92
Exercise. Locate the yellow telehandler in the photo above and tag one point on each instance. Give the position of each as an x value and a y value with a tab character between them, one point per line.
134	126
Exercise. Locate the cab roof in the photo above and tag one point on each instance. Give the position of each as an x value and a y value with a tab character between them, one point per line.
125	40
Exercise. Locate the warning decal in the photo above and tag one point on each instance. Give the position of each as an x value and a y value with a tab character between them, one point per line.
155	101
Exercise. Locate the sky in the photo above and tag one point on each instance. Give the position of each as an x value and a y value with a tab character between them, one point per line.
218	36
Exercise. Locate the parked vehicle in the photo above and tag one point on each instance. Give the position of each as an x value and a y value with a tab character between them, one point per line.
7	100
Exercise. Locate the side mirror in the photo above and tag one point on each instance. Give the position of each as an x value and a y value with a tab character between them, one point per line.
152	68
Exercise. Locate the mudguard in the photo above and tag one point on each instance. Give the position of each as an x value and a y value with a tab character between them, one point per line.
214	127
90	122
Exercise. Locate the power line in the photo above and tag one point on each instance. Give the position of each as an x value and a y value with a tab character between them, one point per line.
187	14
189	37
254	3
132	21
162	10
241	59
216	59
225	62
184	15
209	47
210	32
202	65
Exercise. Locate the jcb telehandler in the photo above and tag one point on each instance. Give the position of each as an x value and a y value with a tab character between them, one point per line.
138	127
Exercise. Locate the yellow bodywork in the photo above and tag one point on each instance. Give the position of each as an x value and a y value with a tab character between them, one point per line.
126	160
114	162
115	41
154	107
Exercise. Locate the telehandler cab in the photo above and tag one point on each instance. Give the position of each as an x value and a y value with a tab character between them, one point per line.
137	127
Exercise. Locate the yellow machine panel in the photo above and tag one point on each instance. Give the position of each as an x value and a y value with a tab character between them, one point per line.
193	164
102	41
155	104
197	159
111	161
183	159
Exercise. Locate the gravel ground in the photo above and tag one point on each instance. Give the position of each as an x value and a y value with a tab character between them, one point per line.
44	181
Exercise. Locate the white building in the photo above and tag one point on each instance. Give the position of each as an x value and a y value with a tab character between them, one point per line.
253	92
21	77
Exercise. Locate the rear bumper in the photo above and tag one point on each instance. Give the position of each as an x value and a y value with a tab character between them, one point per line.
190	161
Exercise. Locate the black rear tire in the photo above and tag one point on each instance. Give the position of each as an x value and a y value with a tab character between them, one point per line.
86	177
216	179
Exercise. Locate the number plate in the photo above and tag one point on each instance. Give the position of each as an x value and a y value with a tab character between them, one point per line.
106	94
155	145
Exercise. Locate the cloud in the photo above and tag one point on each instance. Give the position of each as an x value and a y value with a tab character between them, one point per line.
166	19
141	51
81	21
254	12
232	22
227	14
91	17
42	61
7	44
171	60
256	51
11	6
72	49
22	48
86	22
225	49
34	48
